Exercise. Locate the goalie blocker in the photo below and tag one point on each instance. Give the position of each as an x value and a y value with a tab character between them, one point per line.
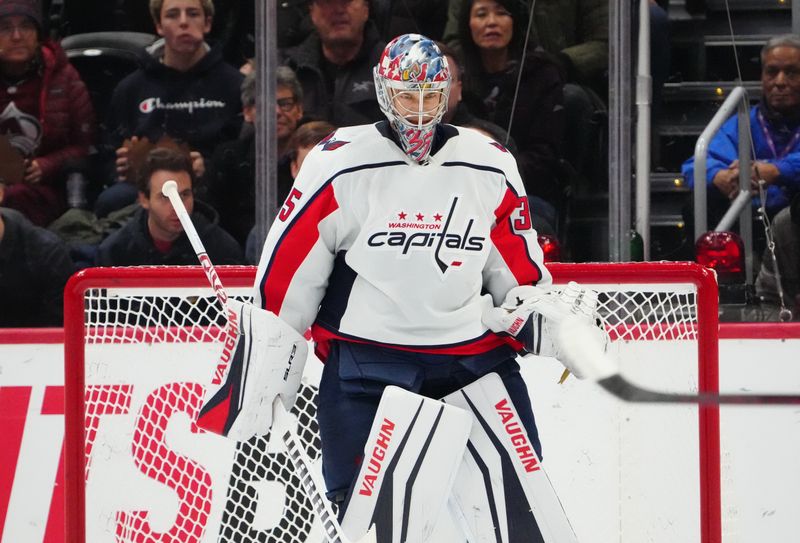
262	360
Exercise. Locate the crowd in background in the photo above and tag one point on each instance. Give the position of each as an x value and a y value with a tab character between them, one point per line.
85	146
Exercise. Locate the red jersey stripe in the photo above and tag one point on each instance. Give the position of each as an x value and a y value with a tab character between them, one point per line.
295	245
511	246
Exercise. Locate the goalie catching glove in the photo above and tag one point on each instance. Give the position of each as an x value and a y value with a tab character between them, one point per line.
563	325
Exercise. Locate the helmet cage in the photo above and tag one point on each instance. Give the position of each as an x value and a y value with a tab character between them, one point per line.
419	117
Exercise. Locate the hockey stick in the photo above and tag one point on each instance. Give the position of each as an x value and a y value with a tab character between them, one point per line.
623	389
283	423
580	344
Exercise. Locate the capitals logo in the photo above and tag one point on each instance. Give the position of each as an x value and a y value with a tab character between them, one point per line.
329	143
413	234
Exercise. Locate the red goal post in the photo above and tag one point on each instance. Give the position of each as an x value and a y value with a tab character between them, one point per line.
139	340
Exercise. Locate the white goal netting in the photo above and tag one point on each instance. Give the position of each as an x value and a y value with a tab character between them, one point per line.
139	343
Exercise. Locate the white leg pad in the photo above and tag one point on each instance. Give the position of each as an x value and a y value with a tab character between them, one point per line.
502	493
410	462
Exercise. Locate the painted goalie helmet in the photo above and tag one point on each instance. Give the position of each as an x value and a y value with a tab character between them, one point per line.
412	82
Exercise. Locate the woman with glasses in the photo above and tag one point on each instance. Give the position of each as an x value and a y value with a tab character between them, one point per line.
45	114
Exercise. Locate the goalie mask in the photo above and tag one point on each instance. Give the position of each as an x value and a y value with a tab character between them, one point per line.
412	82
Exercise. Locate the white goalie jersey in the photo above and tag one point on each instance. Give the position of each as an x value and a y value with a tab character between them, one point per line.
368	238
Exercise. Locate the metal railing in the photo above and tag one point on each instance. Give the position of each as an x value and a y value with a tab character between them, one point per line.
740	207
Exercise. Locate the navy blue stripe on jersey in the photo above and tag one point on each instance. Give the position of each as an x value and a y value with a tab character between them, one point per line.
304	219
481	167
340	284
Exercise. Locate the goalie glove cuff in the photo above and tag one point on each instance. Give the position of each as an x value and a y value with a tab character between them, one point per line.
525	326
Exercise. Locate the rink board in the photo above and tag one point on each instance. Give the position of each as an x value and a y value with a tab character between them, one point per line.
625	473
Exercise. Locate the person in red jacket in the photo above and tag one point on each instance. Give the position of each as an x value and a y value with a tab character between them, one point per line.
45	111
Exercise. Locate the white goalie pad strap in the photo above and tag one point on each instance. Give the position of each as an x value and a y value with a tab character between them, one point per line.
262	358
410	462
502	493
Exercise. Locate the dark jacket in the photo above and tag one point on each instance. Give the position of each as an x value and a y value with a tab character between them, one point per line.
132	245
576	31
232	189
201	106
538	124
353	99
34	267
55	105
231	179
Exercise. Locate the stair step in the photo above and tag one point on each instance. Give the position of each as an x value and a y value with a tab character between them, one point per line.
708	91
668	182
747	5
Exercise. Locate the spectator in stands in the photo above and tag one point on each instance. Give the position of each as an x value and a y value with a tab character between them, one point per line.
185	91
302	141
458	112
543	213
154	236
305	138
289	107
46	112
34	267
775	132
576	33
334	63
231	174
786	232
493	39
426	17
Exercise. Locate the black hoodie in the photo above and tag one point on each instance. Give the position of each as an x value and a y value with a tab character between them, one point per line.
201	106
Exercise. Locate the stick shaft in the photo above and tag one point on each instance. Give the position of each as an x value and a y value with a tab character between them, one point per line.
170	190
298	456
625	390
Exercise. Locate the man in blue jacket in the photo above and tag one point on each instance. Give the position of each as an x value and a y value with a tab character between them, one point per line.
775	130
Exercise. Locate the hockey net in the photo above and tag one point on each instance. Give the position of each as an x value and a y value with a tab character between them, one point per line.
139	342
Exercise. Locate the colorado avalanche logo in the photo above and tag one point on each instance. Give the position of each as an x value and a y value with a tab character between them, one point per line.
23	131
331	144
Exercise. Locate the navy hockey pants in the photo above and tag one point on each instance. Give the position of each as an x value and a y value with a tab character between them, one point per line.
354	378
